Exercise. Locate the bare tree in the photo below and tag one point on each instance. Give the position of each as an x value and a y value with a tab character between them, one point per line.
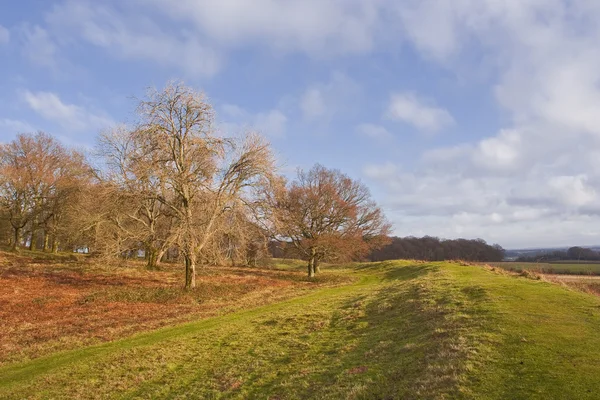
326	215
143	217
200	174
239	241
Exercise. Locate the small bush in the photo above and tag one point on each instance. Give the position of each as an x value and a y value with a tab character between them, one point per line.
529	275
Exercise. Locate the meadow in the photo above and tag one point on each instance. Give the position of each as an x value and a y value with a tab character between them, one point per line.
395	329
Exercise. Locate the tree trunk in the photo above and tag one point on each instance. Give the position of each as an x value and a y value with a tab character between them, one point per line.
311	264
190	271
31	240
316	266
160	256
15	244
54	245
152	257
46	240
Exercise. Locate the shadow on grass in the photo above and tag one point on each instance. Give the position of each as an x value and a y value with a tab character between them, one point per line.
396	271
391	343
409	272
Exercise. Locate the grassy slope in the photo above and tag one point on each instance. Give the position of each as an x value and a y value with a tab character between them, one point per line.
403	331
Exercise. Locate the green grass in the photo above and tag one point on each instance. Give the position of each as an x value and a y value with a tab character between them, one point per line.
401	330
572	267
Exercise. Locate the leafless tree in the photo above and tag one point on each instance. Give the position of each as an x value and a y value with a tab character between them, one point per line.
143	217
200	174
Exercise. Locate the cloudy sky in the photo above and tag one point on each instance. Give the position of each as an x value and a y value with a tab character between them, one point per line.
466	118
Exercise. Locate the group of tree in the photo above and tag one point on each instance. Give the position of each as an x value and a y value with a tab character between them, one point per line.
434	249
39	181
575	253
171	185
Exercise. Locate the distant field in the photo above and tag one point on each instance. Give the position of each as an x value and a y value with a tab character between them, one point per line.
562	267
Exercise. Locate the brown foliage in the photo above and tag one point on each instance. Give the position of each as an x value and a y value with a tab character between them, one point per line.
327	216
49	306
39	182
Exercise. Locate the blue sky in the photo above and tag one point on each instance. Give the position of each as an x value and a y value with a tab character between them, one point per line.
466	118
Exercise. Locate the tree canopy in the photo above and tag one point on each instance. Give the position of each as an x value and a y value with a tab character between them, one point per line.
326	215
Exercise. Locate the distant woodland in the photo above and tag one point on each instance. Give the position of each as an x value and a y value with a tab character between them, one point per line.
426	248
575	253
434	249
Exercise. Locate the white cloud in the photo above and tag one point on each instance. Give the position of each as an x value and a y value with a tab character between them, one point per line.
69	116
38	46
536	181
381	172
4	35
312	103
321	27
430	25
322	101
501	152
573	190
422	114
195	35
270	123
132	36
374	131
14	126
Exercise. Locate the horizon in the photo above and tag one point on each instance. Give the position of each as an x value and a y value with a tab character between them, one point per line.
465	119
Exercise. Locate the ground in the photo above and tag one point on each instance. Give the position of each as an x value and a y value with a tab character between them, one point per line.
50	304
399	329
557	267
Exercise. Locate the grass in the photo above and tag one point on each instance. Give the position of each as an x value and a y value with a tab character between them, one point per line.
572	267
398	330
49	305
287	264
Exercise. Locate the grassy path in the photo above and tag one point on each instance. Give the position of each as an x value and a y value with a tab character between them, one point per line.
401	331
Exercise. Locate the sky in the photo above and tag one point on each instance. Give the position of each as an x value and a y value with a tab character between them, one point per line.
465	118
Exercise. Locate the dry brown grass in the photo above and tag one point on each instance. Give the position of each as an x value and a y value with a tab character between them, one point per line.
583	283
48	305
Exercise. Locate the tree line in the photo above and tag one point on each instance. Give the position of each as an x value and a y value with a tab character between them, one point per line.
575	253
171	186
434	249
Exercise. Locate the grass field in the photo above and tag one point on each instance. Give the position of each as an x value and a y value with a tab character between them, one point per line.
50	303
551	268
379	330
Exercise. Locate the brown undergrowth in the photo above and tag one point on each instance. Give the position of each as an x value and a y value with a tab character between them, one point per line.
582	283
49	305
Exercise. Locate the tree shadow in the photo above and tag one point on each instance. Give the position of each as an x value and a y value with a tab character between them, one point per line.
409	272
391	270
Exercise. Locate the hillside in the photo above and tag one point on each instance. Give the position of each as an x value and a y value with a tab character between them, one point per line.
394	330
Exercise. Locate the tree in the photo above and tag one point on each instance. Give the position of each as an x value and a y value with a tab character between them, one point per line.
38	177
435	249
199	174
326	215
142	218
